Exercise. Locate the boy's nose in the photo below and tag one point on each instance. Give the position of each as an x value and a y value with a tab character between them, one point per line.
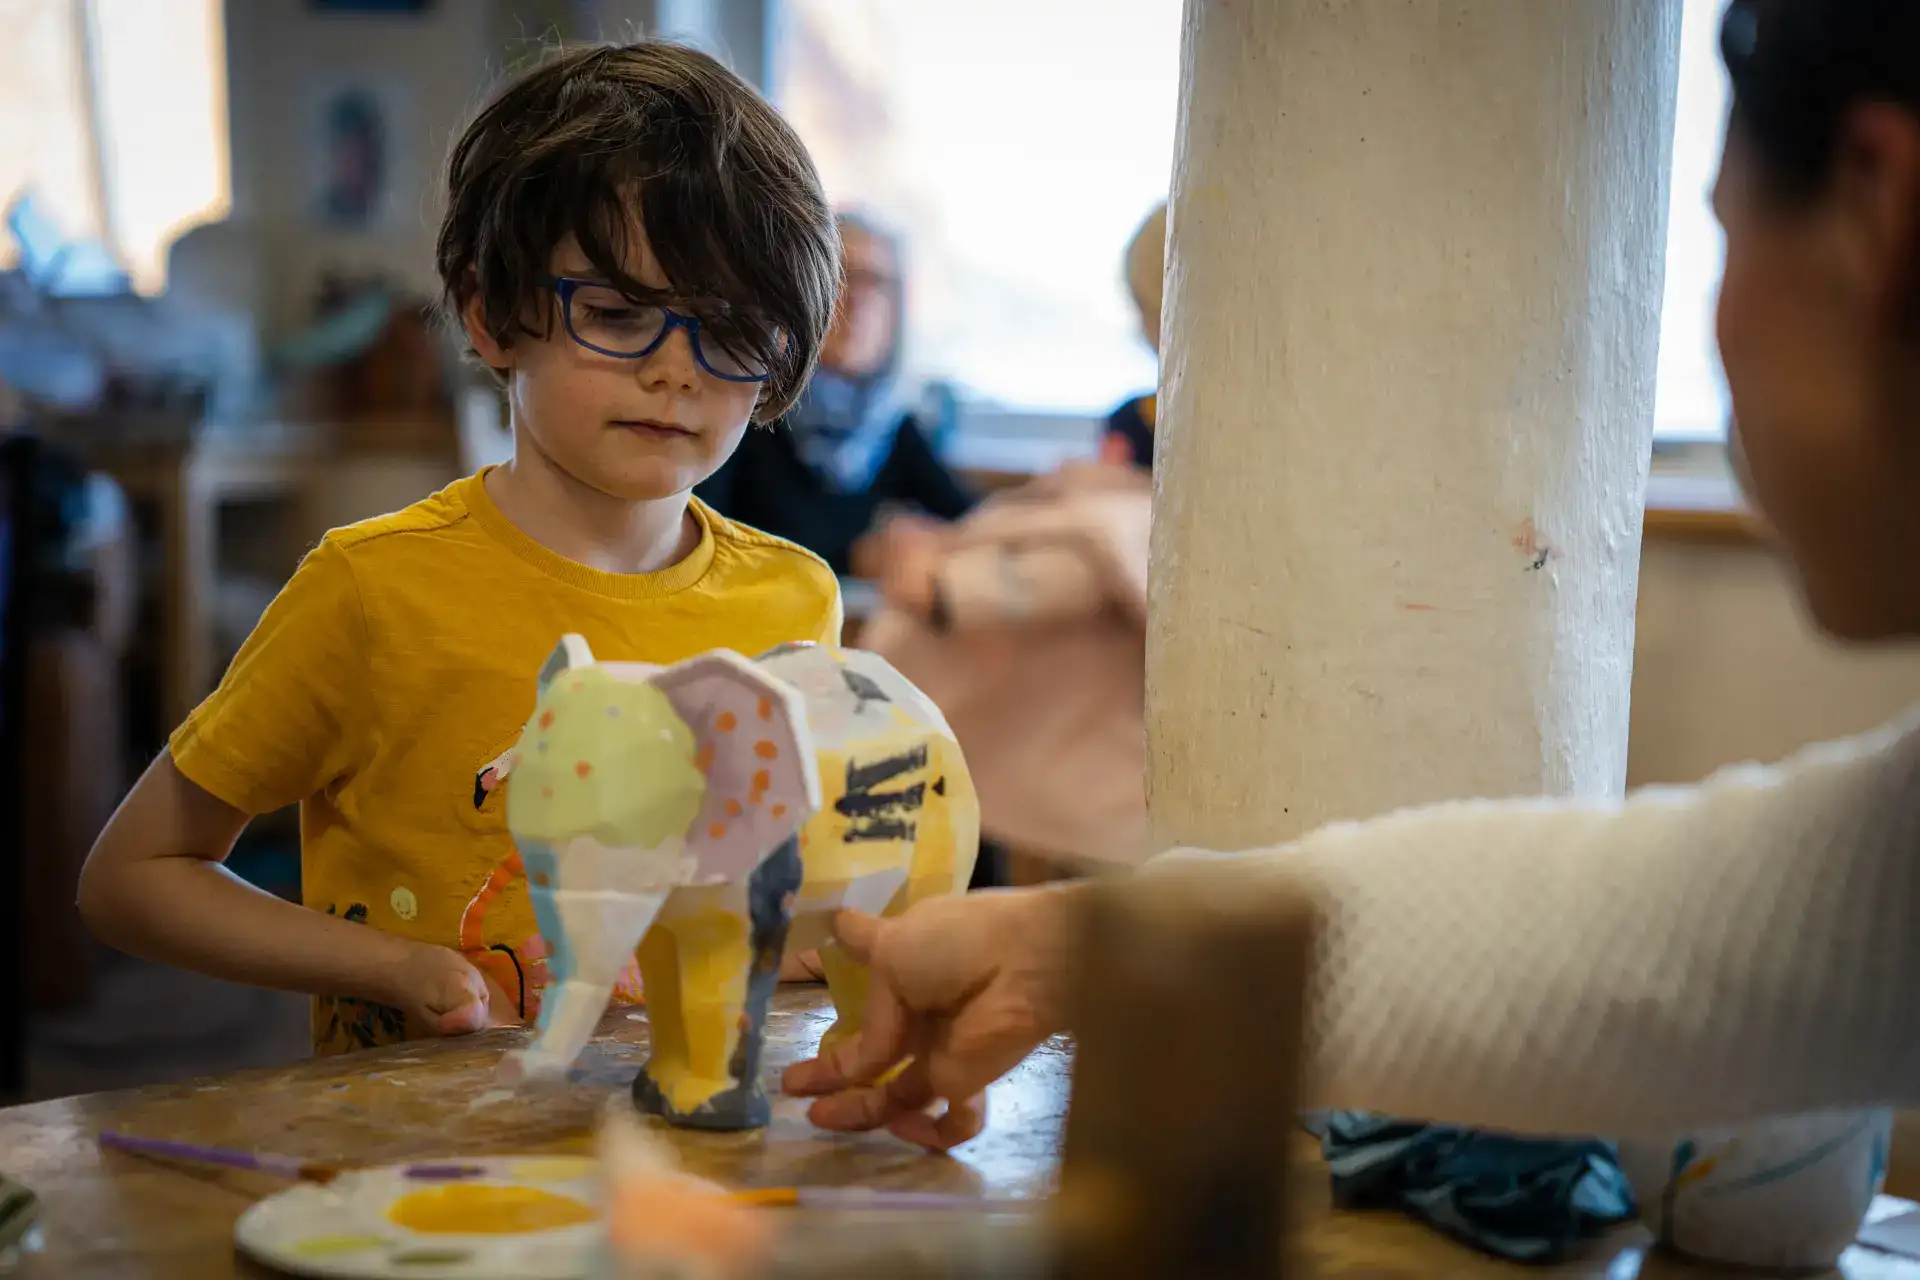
673	366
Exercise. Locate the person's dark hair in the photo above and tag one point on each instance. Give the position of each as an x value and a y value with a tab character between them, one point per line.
727	194
1798	66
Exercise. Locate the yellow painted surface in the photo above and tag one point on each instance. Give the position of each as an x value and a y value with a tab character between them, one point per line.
473	1208
939	858
694	969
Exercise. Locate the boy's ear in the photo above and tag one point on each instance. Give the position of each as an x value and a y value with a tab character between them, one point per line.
473	319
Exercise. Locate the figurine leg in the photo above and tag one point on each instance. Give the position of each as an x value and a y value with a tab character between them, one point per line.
723	965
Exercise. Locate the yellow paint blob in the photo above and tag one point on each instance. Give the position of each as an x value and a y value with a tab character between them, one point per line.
480	1209
556	1168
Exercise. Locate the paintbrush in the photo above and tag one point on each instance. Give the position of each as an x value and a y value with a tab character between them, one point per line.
823	1198
863	1198
196	1153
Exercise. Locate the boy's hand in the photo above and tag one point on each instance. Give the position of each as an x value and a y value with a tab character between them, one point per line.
966	986
442	994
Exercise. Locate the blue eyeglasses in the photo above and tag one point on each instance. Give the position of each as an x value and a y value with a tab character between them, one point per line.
602	319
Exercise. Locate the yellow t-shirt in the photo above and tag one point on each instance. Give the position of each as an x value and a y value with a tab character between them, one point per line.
399	664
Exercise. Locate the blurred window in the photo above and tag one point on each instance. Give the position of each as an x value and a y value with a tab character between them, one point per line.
113	115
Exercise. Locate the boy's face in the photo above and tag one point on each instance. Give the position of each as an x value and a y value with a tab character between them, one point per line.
635	429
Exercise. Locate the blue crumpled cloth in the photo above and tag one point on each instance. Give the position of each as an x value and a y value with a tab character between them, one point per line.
1523	1199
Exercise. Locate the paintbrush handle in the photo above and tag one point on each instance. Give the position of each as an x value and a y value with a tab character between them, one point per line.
195	1153
875	1198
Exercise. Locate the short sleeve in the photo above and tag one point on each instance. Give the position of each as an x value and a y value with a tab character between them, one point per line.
289	717
834	625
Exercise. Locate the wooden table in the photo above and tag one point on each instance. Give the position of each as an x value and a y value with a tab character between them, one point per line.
110	1215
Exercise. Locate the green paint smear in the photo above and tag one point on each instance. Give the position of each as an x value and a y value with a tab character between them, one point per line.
640	788
329	1246
431	1257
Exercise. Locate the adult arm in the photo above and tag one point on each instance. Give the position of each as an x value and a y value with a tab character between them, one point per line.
1692	956
1743	948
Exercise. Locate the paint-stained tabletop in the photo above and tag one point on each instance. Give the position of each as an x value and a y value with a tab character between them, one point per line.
119	1216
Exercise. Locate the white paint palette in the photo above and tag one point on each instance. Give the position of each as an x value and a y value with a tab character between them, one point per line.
485	1218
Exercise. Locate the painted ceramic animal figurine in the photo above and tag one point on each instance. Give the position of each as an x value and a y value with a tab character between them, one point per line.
717	812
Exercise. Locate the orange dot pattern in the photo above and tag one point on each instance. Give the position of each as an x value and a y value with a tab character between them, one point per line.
725	722
766	750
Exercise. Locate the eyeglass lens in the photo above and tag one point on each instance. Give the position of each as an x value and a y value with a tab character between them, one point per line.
605	318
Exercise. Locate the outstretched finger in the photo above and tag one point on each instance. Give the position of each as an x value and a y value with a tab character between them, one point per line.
869	1053
962	1121
871	1107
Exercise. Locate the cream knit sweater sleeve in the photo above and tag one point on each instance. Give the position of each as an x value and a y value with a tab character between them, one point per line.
1692	956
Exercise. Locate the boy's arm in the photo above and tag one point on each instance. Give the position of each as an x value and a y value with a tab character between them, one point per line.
288	720
155	886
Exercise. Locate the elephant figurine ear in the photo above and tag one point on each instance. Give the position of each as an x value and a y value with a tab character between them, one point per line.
570	654
753	745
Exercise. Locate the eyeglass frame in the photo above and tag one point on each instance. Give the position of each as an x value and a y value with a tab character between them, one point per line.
564	287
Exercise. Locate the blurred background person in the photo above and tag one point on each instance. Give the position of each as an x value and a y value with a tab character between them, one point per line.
852	450
1129	434
1026	623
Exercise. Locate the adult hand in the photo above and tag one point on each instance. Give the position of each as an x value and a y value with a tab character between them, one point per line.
442	994
874	549
802	966
965	986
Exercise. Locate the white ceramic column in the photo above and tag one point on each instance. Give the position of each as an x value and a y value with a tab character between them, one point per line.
1412	318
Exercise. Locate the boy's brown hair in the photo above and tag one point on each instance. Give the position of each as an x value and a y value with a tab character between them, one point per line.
728	196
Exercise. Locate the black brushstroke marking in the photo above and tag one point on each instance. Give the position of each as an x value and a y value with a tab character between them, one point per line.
882	815
518	972
863	688
865	777
878	829
939	786
877	804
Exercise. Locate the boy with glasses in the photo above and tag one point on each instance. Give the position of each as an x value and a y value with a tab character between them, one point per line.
639	249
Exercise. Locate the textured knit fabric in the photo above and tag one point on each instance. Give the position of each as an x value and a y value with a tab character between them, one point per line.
1693	956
